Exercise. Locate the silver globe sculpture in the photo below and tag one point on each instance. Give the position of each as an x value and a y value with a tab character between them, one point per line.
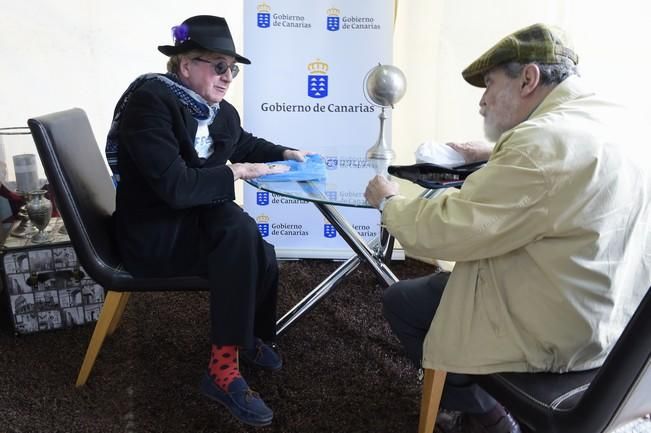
384	86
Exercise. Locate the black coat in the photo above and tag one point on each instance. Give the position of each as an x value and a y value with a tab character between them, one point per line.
165	187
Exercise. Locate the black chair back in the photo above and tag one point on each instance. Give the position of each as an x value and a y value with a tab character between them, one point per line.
82	186
593	401
621	390
85	196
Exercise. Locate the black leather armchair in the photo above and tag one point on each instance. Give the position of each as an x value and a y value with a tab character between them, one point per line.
593	401
85	196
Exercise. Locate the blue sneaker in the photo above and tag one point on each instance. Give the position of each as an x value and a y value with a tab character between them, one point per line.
243	403
262	356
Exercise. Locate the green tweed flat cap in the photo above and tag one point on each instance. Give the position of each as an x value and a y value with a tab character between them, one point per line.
537	43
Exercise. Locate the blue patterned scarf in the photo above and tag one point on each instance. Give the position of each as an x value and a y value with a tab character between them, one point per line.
198	107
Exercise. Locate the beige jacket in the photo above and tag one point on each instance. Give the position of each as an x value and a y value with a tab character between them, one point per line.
551	240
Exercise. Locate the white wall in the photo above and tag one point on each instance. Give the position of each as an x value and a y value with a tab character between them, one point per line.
64	53
436	39
59	54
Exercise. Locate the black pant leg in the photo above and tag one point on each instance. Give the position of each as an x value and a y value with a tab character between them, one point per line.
409	307
243	271
265	315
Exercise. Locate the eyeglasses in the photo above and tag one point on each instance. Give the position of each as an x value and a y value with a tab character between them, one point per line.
221	67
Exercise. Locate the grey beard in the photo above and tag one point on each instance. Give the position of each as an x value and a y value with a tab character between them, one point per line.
491	131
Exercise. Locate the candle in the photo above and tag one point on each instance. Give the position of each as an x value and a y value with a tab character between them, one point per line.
26	172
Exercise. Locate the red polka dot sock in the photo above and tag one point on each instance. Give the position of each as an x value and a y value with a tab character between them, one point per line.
223	367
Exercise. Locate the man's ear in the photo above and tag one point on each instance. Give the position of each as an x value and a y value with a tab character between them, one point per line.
529	79
184	67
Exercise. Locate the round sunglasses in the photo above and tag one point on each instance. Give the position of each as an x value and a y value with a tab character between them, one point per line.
221	66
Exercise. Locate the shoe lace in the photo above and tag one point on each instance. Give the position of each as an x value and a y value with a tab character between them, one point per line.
250	395
258	351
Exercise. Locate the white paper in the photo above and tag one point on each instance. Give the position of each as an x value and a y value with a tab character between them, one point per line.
438	153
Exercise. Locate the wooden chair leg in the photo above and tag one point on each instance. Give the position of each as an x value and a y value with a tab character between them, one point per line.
109	310
429	406
118	314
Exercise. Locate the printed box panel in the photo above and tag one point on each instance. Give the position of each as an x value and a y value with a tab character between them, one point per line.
47	289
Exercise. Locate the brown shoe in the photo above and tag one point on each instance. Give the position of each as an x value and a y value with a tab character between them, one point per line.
448	421
505	424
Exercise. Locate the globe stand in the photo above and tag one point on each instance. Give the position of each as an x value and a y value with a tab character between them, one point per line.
384	85
380	149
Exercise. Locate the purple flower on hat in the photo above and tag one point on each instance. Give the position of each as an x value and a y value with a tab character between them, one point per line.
180	33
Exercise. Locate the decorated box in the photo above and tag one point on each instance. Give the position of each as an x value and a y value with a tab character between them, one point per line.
45	287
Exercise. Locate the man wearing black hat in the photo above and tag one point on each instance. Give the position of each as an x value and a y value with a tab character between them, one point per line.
169	145
552	253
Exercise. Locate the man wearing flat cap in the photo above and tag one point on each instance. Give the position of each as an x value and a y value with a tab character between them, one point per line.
551	237
170	144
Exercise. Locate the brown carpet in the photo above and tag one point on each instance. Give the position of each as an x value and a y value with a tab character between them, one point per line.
344	371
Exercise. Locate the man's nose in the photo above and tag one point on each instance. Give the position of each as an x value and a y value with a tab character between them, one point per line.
227	76
482	105
482	100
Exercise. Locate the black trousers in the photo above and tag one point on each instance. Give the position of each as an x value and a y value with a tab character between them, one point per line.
409	306
243	270
221	243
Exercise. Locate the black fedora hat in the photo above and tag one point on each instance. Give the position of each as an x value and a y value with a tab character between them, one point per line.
205	32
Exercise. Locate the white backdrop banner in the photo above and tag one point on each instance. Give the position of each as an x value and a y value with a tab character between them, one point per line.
304	89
